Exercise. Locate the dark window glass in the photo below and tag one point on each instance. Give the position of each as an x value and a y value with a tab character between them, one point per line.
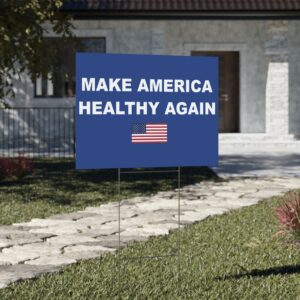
61	83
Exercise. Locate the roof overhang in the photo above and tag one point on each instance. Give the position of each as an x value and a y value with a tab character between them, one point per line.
175	15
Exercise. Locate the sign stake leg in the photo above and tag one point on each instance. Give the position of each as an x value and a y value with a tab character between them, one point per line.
119	232
178	234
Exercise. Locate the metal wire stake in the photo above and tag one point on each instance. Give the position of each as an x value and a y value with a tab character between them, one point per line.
119	232
178	234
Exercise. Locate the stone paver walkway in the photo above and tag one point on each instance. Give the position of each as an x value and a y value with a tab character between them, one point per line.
259	165
44	245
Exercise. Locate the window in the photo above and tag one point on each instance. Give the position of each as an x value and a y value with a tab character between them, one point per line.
61	83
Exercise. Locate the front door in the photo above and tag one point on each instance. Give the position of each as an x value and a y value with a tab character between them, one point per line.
228	88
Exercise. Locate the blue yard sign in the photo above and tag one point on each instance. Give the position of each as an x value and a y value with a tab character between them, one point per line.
146	111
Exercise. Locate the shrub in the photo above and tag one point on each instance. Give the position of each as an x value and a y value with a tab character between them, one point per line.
15	167
288	214
6	168
23	167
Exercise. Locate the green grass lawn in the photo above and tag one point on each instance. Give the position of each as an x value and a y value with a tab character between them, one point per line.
56	187
233	256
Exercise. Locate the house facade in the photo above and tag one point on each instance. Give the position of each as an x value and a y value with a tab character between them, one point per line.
257	42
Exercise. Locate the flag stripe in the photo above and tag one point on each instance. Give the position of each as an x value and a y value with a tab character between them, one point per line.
158	142
156	128
157	125
149	135
149	140
145	138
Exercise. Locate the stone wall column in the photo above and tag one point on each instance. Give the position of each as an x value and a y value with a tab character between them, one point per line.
277	88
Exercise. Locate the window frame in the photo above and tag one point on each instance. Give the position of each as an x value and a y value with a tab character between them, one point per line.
78	33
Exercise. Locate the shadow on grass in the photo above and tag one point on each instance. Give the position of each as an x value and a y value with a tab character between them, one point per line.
283	270
145	182
58	181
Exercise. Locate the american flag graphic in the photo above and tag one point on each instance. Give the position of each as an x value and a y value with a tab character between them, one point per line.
149	133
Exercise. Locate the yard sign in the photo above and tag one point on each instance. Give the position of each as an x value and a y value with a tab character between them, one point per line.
146	111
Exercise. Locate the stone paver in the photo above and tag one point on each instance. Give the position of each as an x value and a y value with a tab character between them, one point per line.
44	245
